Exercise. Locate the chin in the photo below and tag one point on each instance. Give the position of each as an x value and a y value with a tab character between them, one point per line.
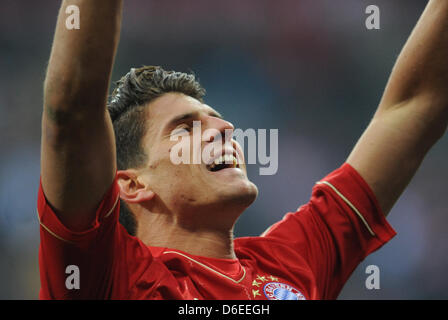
243	194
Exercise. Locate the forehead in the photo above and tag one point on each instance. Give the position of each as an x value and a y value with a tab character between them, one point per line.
171	105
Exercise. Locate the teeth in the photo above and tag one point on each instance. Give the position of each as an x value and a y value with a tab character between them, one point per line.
227	159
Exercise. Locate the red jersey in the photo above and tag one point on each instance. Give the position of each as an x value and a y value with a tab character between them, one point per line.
309	254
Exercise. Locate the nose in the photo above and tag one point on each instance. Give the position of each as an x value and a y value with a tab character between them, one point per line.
221	127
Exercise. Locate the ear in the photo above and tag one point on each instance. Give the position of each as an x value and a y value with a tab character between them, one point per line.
132	188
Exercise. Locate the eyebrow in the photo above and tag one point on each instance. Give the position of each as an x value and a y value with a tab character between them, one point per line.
188	116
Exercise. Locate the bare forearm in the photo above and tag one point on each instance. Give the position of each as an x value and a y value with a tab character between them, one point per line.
413	113
81	59
422	67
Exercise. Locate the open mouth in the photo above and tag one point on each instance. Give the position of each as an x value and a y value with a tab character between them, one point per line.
223	162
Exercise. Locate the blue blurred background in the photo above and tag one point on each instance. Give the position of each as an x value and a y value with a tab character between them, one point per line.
308	68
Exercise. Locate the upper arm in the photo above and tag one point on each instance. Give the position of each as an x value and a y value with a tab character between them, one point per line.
77	163
78	148
393	146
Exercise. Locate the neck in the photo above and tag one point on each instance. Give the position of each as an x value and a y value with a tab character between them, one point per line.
206	241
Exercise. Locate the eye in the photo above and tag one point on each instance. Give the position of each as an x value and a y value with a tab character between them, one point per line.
184	128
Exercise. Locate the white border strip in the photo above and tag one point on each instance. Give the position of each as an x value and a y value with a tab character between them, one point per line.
51	232
350	205
59	237
113	208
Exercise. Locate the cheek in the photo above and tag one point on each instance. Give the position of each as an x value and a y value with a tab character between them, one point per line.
175	178
167	177
183	186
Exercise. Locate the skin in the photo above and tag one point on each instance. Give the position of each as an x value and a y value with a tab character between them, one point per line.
195	207
78	158
185	207
413	112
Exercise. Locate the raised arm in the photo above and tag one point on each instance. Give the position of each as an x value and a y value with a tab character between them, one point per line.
413	113
78	149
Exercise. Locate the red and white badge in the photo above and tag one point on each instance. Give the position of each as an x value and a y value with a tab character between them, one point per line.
282	291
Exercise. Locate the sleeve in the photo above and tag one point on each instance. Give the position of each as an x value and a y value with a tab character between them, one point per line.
88	264
340	226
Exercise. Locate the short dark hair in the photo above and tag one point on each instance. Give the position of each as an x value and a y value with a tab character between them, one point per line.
127	110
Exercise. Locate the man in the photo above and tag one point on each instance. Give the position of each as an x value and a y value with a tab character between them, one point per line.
175	237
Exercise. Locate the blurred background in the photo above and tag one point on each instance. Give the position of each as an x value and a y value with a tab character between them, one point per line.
308	68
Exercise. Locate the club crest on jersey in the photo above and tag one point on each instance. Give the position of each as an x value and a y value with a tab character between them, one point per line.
282	291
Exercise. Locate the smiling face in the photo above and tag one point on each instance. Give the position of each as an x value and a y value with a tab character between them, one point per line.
211	193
